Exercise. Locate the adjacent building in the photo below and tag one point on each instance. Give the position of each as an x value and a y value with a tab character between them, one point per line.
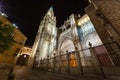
24	56
10	56
104	15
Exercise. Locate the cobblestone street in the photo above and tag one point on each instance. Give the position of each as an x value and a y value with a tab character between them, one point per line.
22	73
26	74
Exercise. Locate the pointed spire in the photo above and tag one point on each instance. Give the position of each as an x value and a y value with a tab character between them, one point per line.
51	11
51	8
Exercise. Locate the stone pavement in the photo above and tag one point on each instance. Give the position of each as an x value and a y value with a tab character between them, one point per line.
22	73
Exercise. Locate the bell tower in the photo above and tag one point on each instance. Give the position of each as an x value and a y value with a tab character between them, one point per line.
47	35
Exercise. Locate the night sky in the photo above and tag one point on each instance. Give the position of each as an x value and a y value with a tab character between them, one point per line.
27	14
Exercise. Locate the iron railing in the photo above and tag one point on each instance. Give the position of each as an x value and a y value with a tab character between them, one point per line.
86	61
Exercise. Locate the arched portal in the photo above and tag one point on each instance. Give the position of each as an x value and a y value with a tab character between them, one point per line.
67	45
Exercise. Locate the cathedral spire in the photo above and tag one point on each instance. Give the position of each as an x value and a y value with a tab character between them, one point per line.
51	8
50	11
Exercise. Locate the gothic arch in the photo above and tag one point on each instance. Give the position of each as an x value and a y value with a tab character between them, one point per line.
67	45
68	35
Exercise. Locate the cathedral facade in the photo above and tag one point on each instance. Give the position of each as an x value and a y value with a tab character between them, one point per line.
82	45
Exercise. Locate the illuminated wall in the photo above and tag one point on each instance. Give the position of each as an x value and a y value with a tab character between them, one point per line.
10	56
48	34
69	41
78	33
67	45
87	32
26	50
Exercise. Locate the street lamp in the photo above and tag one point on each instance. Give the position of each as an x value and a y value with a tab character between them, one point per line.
25	56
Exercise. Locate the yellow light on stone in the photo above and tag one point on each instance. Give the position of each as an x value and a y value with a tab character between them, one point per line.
79	23
86	19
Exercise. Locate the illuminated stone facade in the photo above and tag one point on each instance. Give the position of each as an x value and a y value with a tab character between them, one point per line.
26	50
108	11
10	56
76	35
24	56
87	44
45	42
68	43
104	15
87	32
68	36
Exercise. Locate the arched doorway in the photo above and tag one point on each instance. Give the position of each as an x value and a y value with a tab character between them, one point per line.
22	60
67	45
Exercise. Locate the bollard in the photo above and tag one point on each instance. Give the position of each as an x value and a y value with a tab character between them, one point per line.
11	76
